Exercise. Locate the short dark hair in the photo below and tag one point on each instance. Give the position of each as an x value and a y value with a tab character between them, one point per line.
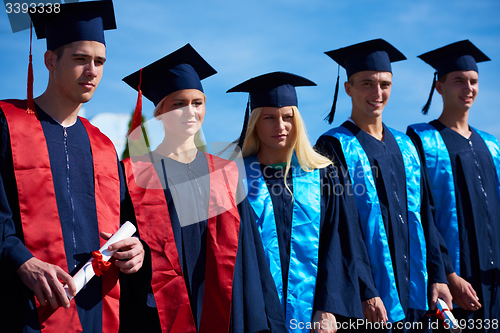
59	51
443	78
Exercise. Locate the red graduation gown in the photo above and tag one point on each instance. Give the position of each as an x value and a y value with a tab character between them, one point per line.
43	237
154	225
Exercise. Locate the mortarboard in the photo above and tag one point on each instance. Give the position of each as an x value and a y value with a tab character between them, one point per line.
74	22
181	69
372	55
275	89
458	56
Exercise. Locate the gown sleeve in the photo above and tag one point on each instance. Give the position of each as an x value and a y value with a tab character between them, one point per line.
331	148
437	242
135	313
337	287
14	253
255	306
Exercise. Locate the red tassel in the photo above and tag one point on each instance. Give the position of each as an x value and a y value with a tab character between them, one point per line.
440	315
100	266
31	104
137	118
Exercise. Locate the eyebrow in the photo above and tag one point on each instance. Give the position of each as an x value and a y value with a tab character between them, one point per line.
185	99
85	55
463	78
370	80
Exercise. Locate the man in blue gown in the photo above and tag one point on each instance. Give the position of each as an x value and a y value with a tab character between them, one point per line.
463	166
62	187
385	172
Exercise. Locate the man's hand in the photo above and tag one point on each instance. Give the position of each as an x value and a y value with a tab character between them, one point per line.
325	321
43	279
129	253
374	310
440	290
463	294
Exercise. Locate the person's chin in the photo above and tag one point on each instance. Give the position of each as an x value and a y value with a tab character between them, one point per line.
280	145
375	113
85	98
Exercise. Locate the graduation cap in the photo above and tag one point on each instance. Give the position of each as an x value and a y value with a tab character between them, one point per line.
372	55
458	56
74	22
181	69
275	89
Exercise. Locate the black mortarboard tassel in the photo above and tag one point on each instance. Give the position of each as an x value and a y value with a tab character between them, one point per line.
330	116
427	105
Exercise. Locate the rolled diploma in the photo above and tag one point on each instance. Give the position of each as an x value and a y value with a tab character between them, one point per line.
83	276
450	319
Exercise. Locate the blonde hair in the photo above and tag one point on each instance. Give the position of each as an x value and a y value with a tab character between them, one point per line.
307	157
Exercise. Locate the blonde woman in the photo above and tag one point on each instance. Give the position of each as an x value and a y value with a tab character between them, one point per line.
209	272
299	207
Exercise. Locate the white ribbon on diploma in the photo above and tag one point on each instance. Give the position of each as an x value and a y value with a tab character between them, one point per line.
83	276
450	320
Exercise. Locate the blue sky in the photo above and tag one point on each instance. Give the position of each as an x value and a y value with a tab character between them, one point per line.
243	39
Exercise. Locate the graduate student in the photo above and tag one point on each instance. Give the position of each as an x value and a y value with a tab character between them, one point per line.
387	182
463	165
61	184
299	209
209	271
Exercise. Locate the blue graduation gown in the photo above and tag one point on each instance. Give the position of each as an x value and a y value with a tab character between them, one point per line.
72	171
387	164
337	289
255	304
478	214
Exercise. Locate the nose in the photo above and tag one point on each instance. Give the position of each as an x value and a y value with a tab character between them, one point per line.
377	91
280	125
91	70
191	110
468	86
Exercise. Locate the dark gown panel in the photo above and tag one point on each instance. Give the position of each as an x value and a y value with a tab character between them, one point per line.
363	267
72	171
255	303
388	169
478	213
337	289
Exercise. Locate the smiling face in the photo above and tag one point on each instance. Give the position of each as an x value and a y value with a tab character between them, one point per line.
182	112
369	91
77	71
275	128
459	90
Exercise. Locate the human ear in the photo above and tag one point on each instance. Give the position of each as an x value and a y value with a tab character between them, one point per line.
439	87
50	59
347	87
